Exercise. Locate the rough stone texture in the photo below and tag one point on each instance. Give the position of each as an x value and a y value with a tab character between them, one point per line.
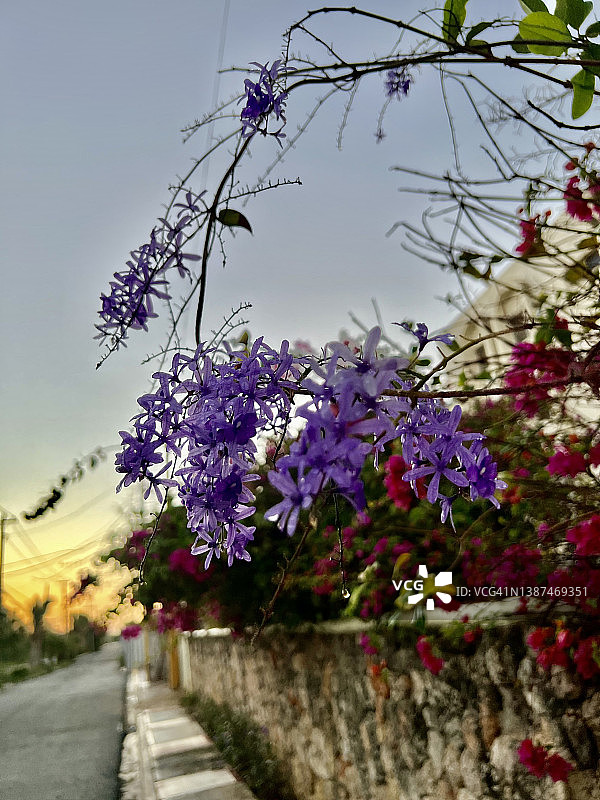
348	733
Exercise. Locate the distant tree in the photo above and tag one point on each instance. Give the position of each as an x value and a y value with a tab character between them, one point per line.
37	637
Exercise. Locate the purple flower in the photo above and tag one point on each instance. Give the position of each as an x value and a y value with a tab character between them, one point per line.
439	466
446	505
482	474
442	424
130	302
421	331
264	99
139	453
398	82
208	409
207	542
207	413
296	496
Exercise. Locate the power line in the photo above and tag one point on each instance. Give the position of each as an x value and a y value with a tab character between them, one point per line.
28	540
42	560
24	535
16	602
14	545
94	540
216	84
11	565
49	563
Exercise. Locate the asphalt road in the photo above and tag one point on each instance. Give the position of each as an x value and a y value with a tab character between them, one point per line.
60	734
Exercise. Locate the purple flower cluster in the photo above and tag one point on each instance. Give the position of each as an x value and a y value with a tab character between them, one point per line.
354	399
433	446
397	82
208	414
421	332
130	302
348	404
264	98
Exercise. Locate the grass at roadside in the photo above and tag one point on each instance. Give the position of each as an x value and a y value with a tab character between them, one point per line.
243	745
18	671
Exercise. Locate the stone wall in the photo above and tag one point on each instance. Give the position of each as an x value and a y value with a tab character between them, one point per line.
348	732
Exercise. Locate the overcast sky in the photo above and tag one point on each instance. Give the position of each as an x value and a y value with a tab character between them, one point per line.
93	100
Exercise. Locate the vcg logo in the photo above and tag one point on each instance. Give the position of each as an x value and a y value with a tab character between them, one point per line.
425	586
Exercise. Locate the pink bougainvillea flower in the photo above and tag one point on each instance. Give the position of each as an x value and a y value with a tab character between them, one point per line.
543	530
518	565
577	207
565	462
534	365
324	588
558	768
398	490
402	547
530	231
367	645
540	763
472	634
381	545
586	537
532	757
181	560
552	651
594	455
554	655
131	631
587	657
429	660
540	637
564	638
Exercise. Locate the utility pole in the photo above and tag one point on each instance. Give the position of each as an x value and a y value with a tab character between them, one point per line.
4	518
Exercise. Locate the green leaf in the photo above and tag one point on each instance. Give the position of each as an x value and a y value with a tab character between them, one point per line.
583	92
541	26
592	53
543	334
593	30
480	44
518	46
563	336
233	219
573	12
476	30
574	275
532	5
455	12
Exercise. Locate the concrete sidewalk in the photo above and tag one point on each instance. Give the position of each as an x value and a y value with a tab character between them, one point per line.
166	754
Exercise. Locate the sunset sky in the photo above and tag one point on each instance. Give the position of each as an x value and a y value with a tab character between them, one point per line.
93	102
